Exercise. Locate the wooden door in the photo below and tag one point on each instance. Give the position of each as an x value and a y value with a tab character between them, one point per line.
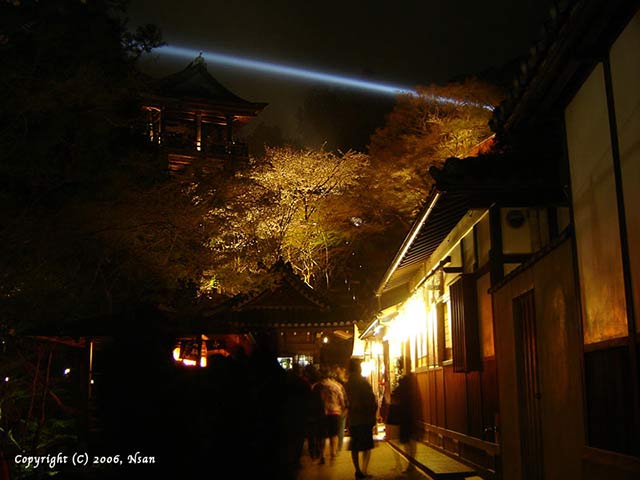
528	386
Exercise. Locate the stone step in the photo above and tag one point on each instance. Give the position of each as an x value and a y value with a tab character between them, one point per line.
436	464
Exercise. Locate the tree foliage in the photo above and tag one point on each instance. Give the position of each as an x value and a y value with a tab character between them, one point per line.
72	162
295	204
90	222
424	130
338	218
69	90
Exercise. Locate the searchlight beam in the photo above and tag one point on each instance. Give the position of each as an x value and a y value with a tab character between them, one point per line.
301	73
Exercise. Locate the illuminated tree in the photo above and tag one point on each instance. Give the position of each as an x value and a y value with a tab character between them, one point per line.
424	130
294	204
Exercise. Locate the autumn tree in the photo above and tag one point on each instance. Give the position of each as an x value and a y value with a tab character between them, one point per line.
295	204
425	129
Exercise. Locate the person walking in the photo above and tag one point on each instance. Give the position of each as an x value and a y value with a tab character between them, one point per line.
361	417
340	376
333	406
314	413
404	397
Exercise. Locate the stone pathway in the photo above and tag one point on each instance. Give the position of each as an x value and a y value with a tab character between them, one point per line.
386	464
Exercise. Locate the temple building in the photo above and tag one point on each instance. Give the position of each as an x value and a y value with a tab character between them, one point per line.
289	318
193	117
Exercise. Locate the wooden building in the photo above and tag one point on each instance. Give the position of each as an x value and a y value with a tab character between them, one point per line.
290	318
566	323
519	316
435	316
191	116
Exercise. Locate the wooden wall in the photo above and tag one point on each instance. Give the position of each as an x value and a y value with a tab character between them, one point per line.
456	408
559	353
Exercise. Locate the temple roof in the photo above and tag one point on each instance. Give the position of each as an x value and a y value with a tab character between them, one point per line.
194	83
285	300
286	291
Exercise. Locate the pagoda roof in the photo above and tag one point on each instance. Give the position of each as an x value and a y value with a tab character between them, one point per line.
196	85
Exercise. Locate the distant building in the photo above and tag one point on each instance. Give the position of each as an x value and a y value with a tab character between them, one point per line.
191	116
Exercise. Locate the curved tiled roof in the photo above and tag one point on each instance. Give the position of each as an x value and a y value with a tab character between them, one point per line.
196	84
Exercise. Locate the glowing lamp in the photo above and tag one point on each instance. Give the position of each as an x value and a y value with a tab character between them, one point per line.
367	368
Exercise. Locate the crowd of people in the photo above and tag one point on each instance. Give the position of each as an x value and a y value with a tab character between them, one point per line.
242	412
337	399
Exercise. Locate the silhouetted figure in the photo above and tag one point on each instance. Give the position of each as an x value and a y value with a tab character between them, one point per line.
403	398
267	452
333	405
340	376
314	413
297	400
361	417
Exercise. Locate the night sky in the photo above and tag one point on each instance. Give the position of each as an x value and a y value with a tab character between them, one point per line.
404	43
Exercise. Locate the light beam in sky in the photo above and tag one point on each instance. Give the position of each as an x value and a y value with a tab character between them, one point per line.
302	73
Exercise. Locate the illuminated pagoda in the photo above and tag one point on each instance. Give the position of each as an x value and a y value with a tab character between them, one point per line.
191	116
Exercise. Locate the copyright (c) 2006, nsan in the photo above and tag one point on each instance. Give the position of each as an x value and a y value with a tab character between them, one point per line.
81	459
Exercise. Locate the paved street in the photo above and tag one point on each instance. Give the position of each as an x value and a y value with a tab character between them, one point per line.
385	464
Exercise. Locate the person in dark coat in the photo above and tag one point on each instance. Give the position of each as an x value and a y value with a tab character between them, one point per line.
362	409
404	398
314	413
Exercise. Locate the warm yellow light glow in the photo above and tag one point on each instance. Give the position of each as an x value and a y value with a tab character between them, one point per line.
376	348
408	326
367	367
67	371
325	340
199	132
194	363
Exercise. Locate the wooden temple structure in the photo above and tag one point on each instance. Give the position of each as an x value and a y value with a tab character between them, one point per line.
191	116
